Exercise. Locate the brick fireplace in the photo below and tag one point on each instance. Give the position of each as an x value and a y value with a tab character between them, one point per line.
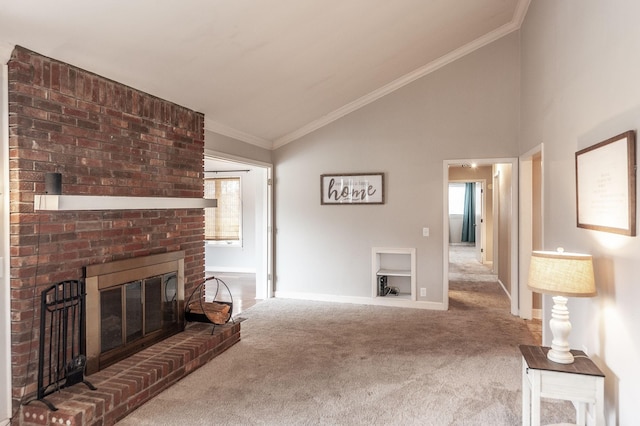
106	139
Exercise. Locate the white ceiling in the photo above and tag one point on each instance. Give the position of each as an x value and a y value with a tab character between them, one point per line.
263	71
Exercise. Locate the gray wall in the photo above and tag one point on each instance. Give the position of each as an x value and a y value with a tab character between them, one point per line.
467	109
580	62
214	142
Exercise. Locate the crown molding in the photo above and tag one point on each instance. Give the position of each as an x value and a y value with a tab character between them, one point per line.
223	130
521	11
513	25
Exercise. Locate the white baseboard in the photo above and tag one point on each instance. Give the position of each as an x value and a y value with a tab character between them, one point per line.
236	269
377	301
504	289
536	314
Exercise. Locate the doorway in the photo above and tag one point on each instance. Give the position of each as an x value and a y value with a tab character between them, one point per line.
469	218
495	185
243	262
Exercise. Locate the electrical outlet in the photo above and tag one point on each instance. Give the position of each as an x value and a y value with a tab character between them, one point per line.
423	292
425	232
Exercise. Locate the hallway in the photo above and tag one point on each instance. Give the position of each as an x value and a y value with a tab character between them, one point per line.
474	285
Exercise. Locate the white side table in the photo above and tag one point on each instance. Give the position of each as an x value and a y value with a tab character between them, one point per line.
582	383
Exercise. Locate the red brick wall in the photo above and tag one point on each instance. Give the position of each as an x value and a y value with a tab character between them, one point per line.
106	139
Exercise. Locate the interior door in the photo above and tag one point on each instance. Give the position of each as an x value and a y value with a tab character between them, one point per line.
479	222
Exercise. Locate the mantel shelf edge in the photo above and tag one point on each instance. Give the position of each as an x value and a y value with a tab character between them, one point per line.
97	202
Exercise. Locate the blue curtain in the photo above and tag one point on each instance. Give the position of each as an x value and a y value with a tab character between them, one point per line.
469	215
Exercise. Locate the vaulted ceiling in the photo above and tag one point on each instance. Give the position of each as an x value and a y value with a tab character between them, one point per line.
262	71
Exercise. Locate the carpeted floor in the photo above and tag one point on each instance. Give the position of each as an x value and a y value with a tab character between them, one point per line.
316	363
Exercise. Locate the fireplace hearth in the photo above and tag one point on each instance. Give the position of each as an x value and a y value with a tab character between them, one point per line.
132	304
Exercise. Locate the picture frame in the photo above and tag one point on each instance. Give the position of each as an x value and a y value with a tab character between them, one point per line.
606	185
352	188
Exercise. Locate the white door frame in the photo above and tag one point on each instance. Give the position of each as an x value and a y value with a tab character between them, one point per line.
266	268
481	233
515	286
526	226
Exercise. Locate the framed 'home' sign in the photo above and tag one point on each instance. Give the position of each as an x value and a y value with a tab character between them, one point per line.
356	188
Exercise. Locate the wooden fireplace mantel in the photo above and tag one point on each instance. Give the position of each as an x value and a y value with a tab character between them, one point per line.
97	202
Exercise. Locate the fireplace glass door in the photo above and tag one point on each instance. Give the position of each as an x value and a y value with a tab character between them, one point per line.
133	313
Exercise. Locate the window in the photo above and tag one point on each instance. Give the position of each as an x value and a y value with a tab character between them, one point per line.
456	198
223	223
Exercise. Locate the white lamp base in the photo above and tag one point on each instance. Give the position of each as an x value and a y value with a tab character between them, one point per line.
560	328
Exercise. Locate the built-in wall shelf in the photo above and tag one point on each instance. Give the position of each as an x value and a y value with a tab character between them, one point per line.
394	272
397	266
97	202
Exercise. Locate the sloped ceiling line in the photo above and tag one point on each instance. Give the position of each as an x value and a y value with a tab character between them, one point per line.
514	25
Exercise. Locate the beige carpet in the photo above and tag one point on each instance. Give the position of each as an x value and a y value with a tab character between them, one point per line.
315	363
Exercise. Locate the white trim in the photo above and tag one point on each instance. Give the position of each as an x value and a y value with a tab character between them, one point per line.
526	228
504	289
230	269
5	290
224	243
358	300
445	232
521	11
223	130
526	235
515	249
91	202
219	155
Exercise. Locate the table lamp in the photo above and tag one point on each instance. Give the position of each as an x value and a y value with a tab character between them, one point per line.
561	274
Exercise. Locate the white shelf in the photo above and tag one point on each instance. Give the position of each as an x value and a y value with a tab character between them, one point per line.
97	202
394	272
401	296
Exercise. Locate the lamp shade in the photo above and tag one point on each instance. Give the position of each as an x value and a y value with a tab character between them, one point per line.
562	274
